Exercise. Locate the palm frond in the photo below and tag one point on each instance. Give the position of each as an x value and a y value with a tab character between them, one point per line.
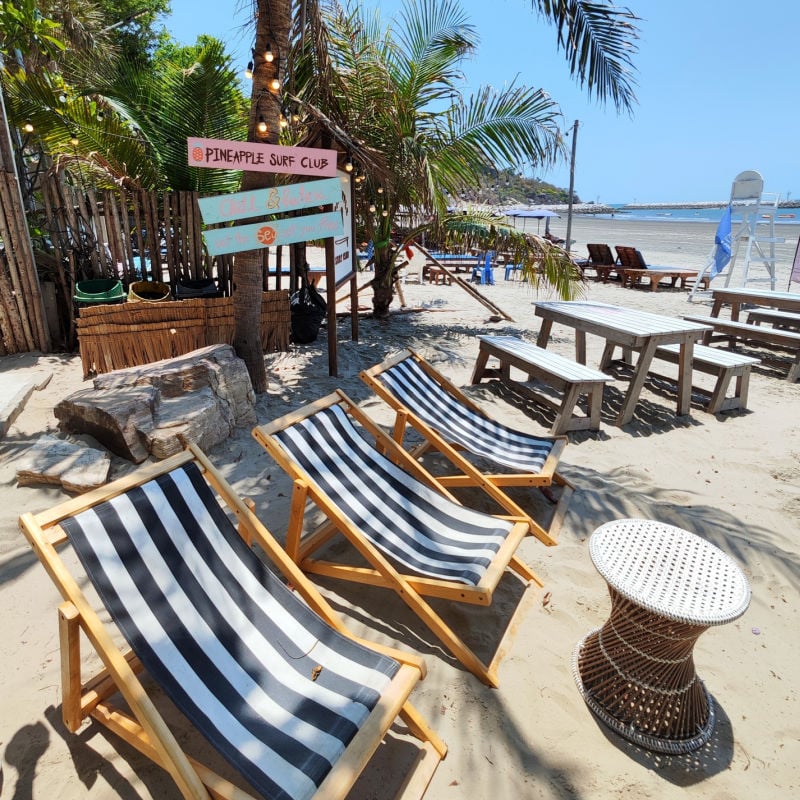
599	41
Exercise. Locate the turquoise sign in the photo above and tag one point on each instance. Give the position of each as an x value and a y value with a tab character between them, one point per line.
275	200
280	231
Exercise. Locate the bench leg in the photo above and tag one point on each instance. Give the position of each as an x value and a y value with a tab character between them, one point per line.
564	417
717	398
594	403
794	370
742	386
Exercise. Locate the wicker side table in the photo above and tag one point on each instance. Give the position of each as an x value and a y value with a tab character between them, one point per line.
636	673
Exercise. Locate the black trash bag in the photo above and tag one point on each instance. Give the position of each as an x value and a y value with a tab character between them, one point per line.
308	309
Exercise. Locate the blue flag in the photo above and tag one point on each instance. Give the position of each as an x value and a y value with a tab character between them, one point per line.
722	240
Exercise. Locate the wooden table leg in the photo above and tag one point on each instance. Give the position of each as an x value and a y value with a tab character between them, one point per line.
480	366
637	381
544	333
685	377
580	347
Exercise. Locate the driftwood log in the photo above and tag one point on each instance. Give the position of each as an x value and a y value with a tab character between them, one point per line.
141	411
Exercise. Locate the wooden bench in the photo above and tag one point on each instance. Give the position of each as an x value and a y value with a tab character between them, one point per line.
725	364
725	329
561	373
778	319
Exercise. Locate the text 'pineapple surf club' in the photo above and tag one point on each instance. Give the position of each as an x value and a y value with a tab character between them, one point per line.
225	154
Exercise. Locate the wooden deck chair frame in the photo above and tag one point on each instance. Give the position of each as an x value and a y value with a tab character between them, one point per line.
144	728
411	588
469	475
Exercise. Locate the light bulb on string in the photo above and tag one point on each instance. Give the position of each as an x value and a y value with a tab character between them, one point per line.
28	126
275	84
372	208
380	190
261	126
74	141
348	165
248	72
268	54
384	213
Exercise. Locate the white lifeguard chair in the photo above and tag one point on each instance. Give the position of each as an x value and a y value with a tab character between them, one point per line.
753	207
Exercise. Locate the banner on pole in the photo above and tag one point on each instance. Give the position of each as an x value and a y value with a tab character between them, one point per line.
274	200
255	157
265	234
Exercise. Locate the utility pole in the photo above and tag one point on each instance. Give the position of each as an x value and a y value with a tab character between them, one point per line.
571	184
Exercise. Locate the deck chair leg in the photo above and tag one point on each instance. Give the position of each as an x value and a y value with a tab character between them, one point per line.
69	637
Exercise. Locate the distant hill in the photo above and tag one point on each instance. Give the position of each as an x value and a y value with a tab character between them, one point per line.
507	188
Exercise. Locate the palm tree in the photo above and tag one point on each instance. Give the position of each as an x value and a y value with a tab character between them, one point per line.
268	66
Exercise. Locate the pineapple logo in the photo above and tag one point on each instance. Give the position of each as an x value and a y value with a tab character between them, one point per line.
197	154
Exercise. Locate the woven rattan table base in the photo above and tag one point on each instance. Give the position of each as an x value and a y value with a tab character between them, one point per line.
637	674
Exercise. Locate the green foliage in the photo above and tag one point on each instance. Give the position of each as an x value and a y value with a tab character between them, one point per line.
23	29
126	122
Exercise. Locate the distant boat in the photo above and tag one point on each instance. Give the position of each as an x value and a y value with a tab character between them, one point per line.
785	216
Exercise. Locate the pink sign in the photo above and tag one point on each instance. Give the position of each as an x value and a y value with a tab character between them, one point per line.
253	157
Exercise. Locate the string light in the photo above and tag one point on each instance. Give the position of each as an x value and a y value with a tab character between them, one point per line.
275	84
372	207
348	165
380	190
384	213
261	126
74	141
28	126
248	73
268	55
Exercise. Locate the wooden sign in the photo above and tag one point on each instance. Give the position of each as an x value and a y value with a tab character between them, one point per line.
279	231
275	200
254	157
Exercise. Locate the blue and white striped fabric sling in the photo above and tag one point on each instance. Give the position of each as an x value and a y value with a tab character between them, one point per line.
276	690
459	424
412	523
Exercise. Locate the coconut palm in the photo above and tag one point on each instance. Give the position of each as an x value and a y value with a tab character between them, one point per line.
395	92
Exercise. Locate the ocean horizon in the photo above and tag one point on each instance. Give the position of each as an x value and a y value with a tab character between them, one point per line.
688	213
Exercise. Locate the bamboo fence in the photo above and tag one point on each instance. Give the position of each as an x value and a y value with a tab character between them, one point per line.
114	337
129	235
22	318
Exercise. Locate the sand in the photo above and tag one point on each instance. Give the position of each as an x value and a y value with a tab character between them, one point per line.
733	479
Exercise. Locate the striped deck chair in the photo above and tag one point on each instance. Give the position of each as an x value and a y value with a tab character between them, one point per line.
417	539
451	423
271	680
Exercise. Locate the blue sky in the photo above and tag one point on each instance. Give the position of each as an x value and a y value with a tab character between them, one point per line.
717	89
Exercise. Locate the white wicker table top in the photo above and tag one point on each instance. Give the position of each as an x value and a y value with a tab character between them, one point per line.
670	571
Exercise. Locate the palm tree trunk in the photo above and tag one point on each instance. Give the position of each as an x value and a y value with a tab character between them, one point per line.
272	34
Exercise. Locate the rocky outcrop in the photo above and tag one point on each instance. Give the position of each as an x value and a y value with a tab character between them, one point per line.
141	411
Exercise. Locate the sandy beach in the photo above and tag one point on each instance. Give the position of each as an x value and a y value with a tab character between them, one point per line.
733	478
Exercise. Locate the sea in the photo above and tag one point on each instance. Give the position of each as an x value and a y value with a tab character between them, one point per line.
788	216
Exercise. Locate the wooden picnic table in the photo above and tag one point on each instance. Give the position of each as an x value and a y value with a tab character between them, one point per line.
784	301
631	330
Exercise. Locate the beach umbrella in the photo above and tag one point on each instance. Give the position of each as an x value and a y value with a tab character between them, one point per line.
534	213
